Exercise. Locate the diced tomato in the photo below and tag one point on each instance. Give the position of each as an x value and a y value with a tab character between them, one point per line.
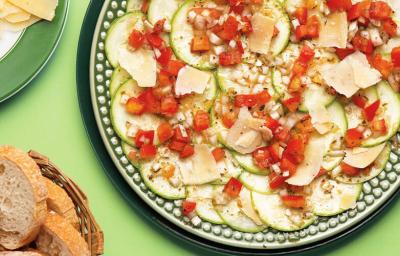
350	170
182	136
251	100
176	146
151	103
360	9
238	9
370	111
165	56
380	10
274	152
343	53
169	106
294	201
135	106
287	165
276	181
230	29
214	13
396	56
145	6
295	85
353	138
304	127
299	68
262	158
174	66
282	134
292	103
168	171
164	132
187	151
154	40
301	15
201	121
133	156
339	5
144	137
321	172
188	207
313	27
233	187
390	27
307	54
276	32
272	124
383	66
230	58
136	39
301	32
164	78
246	25
218	153
229	119
159	26
379	126
294	150
148	151
362	44
240	47
359	101
200	43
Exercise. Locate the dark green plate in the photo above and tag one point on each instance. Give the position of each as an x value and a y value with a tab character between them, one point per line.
31	53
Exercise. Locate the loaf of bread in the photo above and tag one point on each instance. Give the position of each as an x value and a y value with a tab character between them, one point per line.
59	237
59	202
23	197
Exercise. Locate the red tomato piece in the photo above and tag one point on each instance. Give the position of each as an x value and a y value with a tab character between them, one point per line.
274	152
230	58
272	124
380	10
390	27
262	158
218	153
282	134
200	43
251	100
159	26
299	68
358	10
301	15
228	119
295	85
154	40
230	29
379	126
182	135
294	201
276	181
362	44
201	121
176	146
145	6
294	149
287	165
174	66
164	78
135	106
151	103
148	151
165	132
359	101
396	56
165	56
383	66
169	106
301	32
370	111
188	207
307	54
350	170
136	39
233	187
343	53
187	151
246	25
339	5
353	138
144	137
292	103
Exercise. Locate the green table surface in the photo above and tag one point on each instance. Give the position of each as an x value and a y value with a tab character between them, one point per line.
45	117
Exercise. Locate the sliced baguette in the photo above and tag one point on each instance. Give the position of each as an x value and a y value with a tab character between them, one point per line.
20	253
58	237
22	198
59	202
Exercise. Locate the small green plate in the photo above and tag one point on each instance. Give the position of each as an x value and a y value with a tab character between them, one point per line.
30	53
375	195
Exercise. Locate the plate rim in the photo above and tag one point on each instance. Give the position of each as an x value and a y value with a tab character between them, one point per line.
45	60
311	245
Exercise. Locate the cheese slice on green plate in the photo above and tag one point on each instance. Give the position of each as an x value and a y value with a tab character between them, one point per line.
44	9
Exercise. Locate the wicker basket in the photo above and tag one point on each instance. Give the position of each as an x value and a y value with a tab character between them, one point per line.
89	229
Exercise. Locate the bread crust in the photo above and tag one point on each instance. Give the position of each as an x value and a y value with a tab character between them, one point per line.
59	201
32	172
58	233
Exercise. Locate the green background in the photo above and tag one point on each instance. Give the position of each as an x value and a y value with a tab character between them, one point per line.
45	117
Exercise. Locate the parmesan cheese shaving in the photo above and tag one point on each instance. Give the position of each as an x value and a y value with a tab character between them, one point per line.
364	75
44	9
191	80
362	157
263	30
334	31
340	76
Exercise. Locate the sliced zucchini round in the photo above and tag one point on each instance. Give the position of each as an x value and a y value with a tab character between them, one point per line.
390	103
126	148
354	113
118	34
330	197
121	119
255	182
160	185
234	217
162	9
247	163
386	49
281	41
276	215
202	101
119	77
181	37
134	5
203	195
374	171
221	130
227	168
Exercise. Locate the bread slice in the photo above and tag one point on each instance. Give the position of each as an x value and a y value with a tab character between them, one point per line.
21	253
58	237
22	198
59	202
